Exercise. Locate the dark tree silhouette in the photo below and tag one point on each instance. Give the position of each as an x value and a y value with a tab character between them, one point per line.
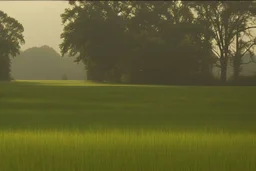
227	19
10	39
153	42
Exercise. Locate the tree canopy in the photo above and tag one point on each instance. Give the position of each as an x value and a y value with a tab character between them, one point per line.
228	20
11	37
137	42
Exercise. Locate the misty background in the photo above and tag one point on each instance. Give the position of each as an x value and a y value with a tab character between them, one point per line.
40	56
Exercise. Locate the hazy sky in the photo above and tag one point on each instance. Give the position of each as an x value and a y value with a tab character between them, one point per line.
40	19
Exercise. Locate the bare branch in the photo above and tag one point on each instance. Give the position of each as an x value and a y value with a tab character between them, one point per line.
218	26
248	49
242	30
216	52
216	29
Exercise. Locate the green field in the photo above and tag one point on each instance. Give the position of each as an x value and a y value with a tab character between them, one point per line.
80	126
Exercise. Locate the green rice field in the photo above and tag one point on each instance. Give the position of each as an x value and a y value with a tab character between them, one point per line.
85	126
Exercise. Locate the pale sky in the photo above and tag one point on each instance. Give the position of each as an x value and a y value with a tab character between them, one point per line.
41	21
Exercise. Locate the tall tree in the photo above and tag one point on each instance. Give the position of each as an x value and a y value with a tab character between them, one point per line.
150	42
11	38
242	48
244	40
169	41
94	32
225	18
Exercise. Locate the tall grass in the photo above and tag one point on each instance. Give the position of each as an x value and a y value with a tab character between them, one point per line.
126	151
81	126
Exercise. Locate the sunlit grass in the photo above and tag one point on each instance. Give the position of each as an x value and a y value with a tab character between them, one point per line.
126	151
79	83
61	82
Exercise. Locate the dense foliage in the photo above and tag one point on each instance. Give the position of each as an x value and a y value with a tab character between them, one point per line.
137	42
155	42
10	39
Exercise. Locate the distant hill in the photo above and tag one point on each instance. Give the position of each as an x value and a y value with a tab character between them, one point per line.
44	63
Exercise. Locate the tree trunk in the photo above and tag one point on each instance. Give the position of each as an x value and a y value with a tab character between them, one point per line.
224	57
236	68
5	68
223	76
237	61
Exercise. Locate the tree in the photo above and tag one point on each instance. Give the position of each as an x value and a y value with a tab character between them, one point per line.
168	42
242	48
64	77
148	42
94	32
226	19
11	38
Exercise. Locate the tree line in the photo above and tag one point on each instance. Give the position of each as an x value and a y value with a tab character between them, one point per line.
152	42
